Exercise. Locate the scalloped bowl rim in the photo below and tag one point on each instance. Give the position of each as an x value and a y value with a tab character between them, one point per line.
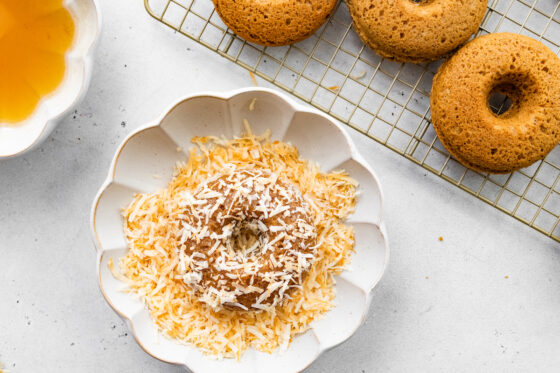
51	118
228	95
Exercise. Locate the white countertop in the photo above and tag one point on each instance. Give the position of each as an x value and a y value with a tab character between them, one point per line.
487	298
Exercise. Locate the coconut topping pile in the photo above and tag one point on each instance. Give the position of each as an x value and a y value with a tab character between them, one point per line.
247	239
170	243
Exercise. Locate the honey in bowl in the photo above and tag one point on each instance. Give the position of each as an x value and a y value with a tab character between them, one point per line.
34	37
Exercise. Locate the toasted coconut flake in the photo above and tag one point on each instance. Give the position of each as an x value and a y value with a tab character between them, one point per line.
252	104
151	268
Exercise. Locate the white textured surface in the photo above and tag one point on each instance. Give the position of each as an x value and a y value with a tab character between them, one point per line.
442	306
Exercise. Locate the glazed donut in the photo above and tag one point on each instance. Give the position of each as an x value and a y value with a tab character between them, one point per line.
416	31
517	66
274	22
248	240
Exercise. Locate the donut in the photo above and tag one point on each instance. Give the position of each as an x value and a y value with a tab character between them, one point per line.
248	240
274	22
415	31
517	66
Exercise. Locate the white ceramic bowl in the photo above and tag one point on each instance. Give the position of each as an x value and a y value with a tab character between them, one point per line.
18	139
153	150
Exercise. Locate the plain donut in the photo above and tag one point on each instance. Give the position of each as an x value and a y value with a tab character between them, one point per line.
518	66
416	31
274	22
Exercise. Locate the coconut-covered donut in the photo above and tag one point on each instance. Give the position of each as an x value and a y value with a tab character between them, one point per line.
416	30
247	241
274	22
517	66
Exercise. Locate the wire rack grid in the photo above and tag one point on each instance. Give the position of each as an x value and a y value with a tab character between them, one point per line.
388	101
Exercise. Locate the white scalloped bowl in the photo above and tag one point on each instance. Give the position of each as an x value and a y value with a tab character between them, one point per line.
26	135
153	150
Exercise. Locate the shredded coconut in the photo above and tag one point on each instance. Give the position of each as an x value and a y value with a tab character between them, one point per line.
154	270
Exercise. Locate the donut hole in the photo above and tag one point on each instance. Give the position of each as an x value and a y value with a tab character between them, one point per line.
511	93
246	238
422	2
499	102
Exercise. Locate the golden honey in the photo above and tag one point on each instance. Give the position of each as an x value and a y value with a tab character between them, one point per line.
34	37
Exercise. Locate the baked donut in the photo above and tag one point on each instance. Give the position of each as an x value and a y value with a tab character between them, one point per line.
521	68
416	30
274	22
247	241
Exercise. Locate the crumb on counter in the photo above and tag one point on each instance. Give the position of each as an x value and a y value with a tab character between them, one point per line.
506	277
334	88
440	238
253	79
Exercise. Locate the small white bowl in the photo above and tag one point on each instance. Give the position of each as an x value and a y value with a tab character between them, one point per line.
24	136
153	150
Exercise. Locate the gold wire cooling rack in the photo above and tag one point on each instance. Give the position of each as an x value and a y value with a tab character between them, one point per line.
388	101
